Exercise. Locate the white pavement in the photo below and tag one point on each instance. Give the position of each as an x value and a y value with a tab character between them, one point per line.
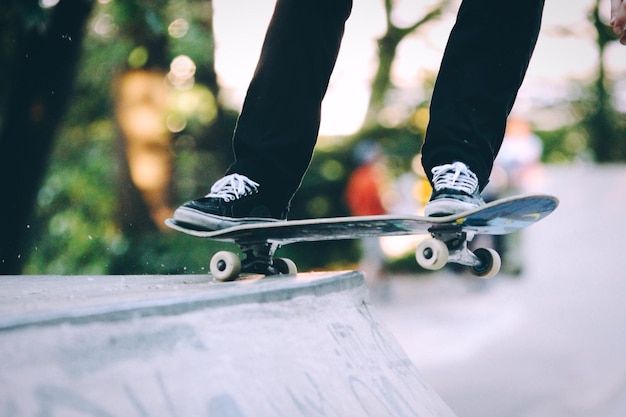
547	344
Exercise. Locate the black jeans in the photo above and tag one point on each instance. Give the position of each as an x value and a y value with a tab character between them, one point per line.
483	66
482	69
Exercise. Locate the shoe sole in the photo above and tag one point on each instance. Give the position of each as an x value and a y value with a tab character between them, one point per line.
446	207
199	220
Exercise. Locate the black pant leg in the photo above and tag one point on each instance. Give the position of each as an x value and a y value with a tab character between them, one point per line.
279	123
484	63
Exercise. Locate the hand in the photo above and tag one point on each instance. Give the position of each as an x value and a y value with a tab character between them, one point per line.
618	19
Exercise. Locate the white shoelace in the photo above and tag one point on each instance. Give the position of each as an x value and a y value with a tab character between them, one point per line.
232	187
456	175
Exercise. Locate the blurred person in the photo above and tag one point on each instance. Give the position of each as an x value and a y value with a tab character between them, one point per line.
483	66
363	195
516	165
364	187
519	155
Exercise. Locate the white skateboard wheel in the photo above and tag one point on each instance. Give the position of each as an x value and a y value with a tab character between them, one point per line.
490	263
432	254
285	266
225	266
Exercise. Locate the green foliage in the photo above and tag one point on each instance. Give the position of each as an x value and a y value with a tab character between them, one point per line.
74	231
564	145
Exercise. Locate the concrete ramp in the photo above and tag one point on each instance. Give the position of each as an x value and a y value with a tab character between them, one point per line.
185	346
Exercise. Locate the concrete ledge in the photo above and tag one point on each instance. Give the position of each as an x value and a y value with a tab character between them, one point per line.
308	345
52	300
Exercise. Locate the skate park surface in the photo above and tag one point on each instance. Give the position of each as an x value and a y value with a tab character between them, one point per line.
547	343
183	345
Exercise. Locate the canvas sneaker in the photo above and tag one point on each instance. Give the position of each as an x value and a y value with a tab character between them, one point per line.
233	200
455	190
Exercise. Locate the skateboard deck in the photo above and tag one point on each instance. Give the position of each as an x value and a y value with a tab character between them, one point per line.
450	234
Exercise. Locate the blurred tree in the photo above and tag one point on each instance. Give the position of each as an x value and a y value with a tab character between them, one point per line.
387	49
216	135
141	97
41	49
203	149
401	139
175	132
605	126
171	62
78	227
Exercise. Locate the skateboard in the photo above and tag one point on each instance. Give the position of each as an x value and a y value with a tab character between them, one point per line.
448	242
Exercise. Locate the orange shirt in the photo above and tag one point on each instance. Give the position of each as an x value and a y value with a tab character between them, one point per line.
362	191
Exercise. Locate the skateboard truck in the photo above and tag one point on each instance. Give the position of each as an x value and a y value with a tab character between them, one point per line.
259	259
450	245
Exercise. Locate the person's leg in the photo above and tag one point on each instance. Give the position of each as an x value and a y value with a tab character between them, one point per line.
279	123
482	69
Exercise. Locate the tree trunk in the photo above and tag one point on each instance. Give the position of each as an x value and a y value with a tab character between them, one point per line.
47	59
387	48
607	141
